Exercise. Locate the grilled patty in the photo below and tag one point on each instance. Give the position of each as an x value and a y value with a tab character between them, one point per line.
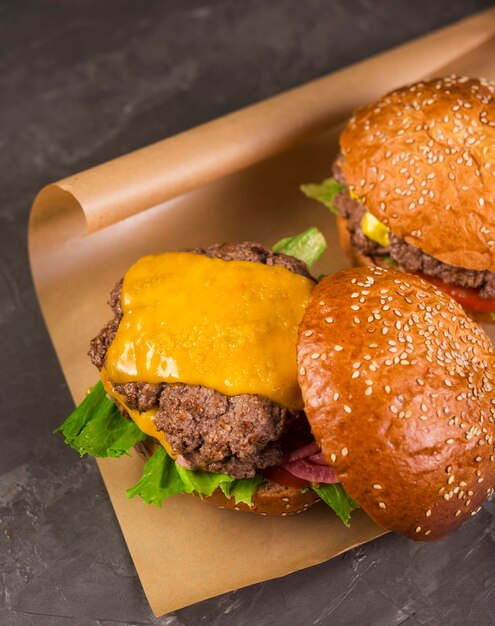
234	435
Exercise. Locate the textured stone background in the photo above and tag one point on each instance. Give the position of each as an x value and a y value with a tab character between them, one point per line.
84	81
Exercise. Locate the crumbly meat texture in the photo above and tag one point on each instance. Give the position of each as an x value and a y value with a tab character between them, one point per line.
409	258
235	435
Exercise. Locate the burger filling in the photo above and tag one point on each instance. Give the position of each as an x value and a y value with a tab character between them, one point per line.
371	238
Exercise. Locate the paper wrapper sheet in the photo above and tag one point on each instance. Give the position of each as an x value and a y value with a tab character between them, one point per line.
233	179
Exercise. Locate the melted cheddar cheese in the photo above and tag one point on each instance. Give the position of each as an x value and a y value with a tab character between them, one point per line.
228	325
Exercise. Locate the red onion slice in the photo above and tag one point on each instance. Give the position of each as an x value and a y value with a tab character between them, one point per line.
301	453
311	472
317	459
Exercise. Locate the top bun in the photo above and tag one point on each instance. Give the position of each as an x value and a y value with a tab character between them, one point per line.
422	160
397	386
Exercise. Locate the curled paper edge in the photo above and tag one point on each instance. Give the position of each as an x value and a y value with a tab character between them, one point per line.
147	177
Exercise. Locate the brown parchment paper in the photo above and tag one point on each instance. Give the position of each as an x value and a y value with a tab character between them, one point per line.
235	178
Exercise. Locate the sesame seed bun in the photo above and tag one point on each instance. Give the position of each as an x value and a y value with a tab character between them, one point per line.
358	259
269	499
397	383
422	161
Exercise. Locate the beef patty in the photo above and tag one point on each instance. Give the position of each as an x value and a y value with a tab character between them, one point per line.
409	258
234	435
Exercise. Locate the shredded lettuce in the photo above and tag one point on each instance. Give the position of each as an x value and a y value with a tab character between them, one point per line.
163	478
325	192
337	499
96	427
308	246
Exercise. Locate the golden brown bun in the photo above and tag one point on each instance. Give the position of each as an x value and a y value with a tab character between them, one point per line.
397	383
358	259
270	498
422	160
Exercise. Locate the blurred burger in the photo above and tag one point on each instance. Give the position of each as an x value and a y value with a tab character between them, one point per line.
414	187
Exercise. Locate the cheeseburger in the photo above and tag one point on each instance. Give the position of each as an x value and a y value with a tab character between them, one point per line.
198	373
414	187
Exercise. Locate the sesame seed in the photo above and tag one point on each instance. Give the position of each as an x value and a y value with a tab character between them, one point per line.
338	348
336	396
347	408
333	457
377	486
308	333
329	320
382	505
344	451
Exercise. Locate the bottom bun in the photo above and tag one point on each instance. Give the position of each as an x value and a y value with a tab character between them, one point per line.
358	259
270	497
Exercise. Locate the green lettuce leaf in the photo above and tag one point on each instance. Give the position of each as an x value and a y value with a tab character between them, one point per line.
159	481
325	192
163	478
203	483
97	427
308	246
386	259
337	499
241	489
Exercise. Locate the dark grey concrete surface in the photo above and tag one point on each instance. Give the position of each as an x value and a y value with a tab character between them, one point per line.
86	80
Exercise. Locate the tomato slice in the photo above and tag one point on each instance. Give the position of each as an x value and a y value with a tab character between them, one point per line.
467	297
284	478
